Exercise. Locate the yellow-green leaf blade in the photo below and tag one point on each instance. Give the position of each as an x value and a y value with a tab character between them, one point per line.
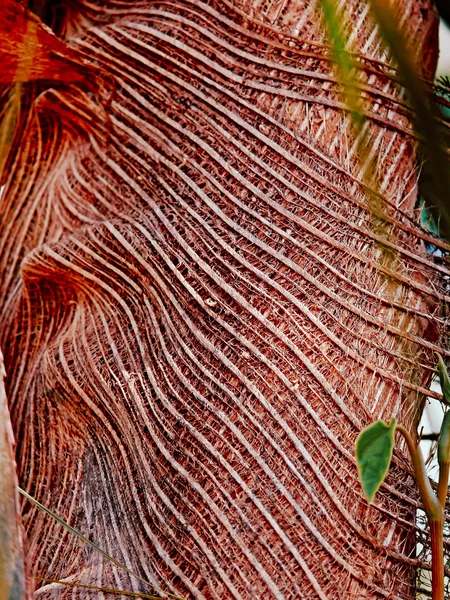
445	381
444	441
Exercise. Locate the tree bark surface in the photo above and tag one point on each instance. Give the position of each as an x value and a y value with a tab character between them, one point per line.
196	313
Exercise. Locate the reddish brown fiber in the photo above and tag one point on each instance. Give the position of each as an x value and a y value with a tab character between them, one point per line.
195	312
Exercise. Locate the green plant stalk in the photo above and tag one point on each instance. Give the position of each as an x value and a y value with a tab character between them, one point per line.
437	559
437	533
431	505
435	515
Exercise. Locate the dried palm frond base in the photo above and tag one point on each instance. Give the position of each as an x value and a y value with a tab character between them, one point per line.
196	313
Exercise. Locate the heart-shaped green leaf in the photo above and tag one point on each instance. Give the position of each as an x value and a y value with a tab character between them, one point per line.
445	380
374	448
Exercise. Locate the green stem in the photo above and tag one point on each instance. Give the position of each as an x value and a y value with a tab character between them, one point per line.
437	558
431	504
434	510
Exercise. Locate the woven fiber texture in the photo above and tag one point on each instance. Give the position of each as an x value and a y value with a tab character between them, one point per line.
197	315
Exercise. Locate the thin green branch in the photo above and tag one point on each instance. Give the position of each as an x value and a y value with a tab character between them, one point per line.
431	505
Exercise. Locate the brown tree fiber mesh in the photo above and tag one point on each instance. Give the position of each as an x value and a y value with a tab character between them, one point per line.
197	315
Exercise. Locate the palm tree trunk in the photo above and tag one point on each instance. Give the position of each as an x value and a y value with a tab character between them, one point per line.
13	582
196	316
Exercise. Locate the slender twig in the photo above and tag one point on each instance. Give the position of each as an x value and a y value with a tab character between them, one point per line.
99	588
95	547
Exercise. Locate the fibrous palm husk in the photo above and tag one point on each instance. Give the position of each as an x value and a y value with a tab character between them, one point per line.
197	312
13	583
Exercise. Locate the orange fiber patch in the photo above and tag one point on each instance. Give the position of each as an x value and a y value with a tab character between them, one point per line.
30	51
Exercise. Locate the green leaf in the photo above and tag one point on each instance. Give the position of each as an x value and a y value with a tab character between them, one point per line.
424	116
444	441
445	381
427	219
348	69
374	448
